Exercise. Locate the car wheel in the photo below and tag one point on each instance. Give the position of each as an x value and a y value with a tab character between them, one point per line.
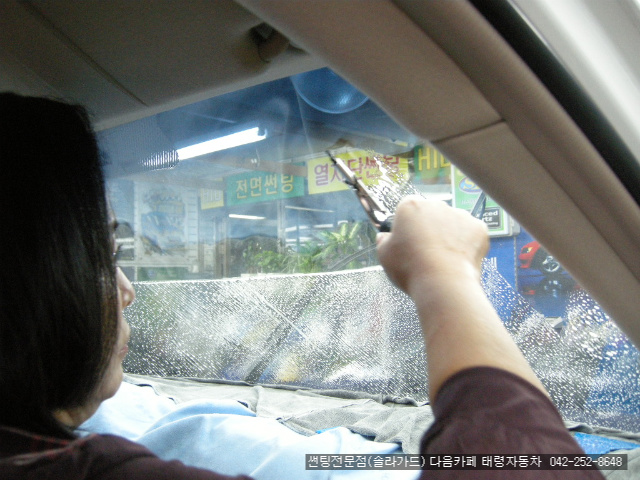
548	265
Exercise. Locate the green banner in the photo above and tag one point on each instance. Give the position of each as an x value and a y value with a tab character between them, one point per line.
431	167
258	186
465	196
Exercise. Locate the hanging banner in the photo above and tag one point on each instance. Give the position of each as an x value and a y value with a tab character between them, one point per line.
465	195
167	219
431	167
211	199
324	178
257	187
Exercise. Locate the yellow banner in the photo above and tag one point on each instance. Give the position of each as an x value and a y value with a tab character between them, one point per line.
431	166
211	199
323	177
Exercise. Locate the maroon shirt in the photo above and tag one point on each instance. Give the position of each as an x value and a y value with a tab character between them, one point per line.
96	457
490	411
480	410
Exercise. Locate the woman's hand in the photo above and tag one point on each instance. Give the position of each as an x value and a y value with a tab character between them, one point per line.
431	240
434	253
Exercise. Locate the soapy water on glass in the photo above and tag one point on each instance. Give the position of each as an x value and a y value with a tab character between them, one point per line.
391	185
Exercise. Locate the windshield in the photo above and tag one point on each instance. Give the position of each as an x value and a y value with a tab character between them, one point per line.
254	261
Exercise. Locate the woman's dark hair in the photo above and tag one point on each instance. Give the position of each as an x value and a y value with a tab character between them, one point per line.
58	320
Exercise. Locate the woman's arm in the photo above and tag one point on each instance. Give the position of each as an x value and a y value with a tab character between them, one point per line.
434	254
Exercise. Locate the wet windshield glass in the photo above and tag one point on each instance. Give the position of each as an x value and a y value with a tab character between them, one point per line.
254	261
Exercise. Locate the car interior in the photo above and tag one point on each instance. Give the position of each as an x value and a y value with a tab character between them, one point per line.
254	262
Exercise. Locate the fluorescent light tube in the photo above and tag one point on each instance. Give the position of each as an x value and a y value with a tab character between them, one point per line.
291	207
222	143
246	217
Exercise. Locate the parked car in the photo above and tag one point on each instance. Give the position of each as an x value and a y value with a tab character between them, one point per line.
534	256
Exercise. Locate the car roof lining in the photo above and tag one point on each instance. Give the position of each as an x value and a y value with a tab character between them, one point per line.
127	61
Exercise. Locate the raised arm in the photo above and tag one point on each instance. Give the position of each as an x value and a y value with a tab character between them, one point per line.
434	254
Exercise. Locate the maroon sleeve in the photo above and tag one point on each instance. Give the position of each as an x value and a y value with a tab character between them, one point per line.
490	411
95	457
115	458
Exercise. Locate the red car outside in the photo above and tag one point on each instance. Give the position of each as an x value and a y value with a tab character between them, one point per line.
534	256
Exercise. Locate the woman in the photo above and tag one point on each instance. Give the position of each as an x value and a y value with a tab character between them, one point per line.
62	332
63	336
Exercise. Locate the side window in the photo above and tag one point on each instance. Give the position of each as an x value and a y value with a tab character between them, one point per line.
254	261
